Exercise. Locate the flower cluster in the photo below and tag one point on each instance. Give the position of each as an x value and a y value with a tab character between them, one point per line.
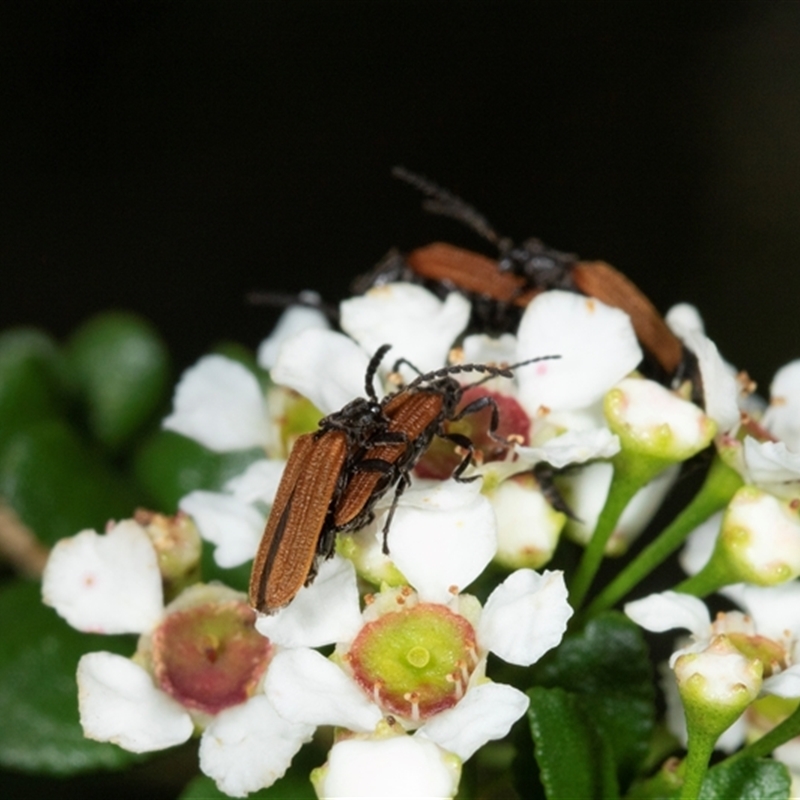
389	644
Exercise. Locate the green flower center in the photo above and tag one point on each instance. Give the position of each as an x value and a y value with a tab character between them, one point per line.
415	662
210	657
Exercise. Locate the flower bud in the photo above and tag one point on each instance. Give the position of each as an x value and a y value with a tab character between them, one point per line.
759	541
716	685
653	421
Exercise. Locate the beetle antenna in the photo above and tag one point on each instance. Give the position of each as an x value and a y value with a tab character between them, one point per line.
372	368
443	202
492	371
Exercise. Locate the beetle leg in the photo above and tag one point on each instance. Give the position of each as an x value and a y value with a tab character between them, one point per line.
400	361
466	443
479	405
402	484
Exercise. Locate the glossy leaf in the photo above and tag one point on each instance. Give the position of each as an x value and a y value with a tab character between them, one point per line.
121	368
40	730
608	667
574	757
58	485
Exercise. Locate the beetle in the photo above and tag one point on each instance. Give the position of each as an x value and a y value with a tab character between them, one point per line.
335	476
501	289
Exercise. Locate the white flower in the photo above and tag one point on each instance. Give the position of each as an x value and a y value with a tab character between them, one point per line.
234	520
596	343
523	618
419	326
294	320
109	583
219	403
782	417
720	387
396	766
772	625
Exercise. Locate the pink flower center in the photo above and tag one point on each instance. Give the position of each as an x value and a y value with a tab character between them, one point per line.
210	657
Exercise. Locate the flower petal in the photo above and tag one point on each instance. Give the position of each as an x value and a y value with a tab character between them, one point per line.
442	536
400	766
105	583
525	616
248	747
596	345
306	687
233	526
700	545
324	612
771	462
259	482
483	349
782	418
419	326
294	320
119	703
774	609
326	367
219	403
485	713
572	447
720	389
668	610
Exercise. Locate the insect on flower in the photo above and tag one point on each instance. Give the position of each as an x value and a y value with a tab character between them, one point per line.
501	289
335	476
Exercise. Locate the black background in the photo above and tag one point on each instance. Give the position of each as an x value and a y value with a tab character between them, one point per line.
168	157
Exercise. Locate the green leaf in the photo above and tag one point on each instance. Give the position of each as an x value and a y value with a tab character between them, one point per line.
40	730
169	465
290	787
608	667
33	382
58	486
574	758
745	779
121	368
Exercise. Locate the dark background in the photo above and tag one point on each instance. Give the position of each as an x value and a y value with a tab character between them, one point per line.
168	157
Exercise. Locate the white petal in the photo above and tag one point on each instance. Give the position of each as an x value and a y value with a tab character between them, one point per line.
525	616
771	462
596	344
720	388
419	326
219	403
486	712
248	747
259	482
324	612
233	526
294	320
399	767
119	703
306	687
784	684
442	537
668	610
684	319
573	447
326	367
105	583
774	609
528	527
483	349
782	418
700	545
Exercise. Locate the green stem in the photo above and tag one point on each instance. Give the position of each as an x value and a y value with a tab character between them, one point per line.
704	583
700	749
622	489
779	735
720	485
